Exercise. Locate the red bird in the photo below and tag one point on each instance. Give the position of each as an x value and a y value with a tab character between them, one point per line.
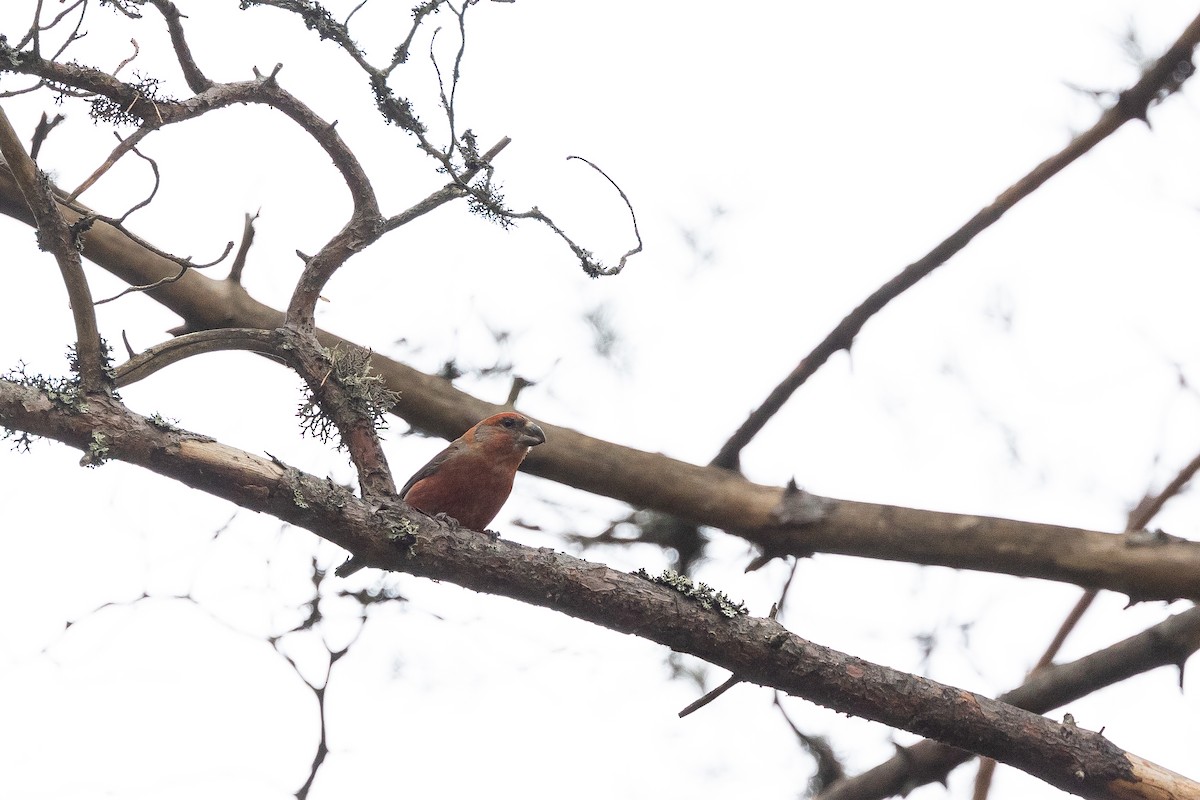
470	480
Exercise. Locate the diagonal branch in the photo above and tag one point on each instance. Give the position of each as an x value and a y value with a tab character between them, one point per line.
760	650
1139	518
1164	568
1169	643
196	79
123	147
1165	76
57	237
451	191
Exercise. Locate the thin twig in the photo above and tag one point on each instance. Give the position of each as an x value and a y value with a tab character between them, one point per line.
451	191
184	266
123	147
239	260
730	682
633	216
128	60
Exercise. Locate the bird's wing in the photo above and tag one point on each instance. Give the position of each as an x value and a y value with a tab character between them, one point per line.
433	466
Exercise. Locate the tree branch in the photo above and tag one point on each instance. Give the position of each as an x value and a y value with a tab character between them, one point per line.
1169	643
58	238
196	79
759	650
1156	569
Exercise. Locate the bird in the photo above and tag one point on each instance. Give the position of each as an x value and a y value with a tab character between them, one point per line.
468	482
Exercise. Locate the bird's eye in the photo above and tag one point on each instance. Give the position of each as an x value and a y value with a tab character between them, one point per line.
508	422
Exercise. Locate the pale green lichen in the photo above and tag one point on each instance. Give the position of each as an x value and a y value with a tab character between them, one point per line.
97	452
63	392
402	529
702	593
365	389
162	423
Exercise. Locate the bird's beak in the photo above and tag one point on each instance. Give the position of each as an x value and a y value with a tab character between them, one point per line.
533	435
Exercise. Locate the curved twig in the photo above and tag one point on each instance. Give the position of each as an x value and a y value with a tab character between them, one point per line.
633	216
150	361
127	61
399	112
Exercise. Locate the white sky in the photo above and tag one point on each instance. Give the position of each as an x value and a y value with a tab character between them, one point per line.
838	142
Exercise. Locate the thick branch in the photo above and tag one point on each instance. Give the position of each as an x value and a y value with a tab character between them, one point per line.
709	496
1164	76
195	78
760	650
350	397
55	236
1169	643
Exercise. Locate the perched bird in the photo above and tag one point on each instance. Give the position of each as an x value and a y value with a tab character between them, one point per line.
470	480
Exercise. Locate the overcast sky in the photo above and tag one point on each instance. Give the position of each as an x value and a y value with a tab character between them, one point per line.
784	161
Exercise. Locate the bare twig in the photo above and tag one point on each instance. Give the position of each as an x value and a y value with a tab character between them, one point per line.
451	191
123	147
708	697
399	112
184	265
632	216
145	202
239	260
44	126
1167	74
355	10
126	62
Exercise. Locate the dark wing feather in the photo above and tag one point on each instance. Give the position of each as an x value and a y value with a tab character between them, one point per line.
433	466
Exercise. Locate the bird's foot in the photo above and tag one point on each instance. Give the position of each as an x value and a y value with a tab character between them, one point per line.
491	534
449	521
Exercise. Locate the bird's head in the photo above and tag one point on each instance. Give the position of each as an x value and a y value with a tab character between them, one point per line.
510	426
